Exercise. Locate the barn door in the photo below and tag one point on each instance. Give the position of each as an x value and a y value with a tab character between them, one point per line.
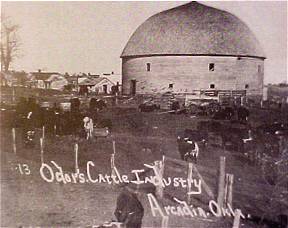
133	87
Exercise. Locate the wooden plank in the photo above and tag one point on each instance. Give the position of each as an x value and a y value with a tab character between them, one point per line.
42	150
189	177
14	140
236	222
76	147
159	165
164	222
228	189
221	182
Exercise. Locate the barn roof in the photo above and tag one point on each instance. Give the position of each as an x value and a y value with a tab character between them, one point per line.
193	29
93	81
43	75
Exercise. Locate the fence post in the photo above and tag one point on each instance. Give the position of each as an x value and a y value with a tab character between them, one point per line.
159	166
236	222
42	150
13	94
261	103
113	173
229	178
76	157
189	179
43	132
55	129
164	222
114	147
221	182
116	98
113	161
14	140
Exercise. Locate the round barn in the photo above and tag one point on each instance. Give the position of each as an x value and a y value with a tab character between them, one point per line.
191	48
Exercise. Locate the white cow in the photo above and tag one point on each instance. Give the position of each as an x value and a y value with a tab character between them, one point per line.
88	126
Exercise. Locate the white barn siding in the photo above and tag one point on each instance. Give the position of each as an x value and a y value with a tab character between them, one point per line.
188	73
99	87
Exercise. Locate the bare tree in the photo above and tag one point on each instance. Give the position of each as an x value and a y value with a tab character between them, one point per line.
9	43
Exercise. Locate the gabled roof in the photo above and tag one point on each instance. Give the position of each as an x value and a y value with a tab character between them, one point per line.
55	77
42	75
93	81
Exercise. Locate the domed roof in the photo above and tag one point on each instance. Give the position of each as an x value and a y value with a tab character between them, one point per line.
193	29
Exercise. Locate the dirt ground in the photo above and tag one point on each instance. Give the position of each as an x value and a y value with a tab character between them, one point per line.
28	200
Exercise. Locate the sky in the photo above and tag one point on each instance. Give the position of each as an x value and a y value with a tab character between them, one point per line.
87	37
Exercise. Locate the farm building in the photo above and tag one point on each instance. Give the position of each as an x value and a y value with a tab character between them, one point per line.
190	49
48	80
99	85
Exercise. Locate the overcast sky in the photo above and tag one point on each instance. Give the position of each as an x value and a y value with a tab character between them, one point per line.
90	36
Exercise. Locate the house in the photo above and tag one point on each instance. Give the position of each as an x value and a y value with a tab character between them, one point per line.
57	82
47	80
39	79
100	85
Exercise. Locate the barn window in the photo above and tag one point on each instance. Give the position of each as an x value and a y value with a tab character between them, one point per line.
148	66
211	66
246	86
170	86
212	86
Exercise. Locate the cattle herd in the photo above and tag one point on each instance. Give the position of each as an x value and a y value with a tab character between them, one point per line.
228	127
261	144
28	115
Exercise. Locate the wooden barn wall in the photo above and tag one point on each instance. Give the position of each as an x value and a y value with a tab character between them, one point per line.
188	73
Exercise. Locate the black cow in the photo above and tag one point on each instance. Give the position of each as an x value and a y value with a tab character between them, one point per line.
24	107
75	104
187	144
96	105
226	113
243	114
129	209
175	105
93	104
28	130
48	120
100	104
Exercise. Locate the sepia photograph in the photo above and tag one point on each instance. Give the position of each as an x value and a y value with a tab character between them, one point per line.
144	114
